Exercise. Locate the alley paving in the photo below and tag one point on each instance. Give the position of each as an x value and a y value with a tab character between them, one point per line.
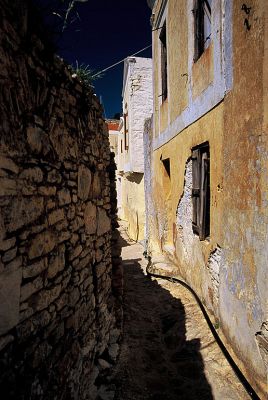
167	351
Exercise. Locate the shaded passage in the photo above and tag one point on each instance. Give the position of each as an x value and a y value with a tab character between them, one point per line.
156	361
158	358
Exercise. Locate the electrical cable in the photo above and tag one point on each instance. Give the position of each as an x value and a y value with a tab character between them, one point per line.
119	62
249	389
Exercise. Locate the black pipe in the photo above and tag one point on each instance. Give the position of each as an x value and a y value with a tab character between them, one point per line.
232	363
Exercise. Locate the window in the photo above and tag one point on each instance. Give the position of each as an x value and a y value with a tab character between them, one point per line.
202	18
201	191
126	130
121	145
166	187
163	40
166	164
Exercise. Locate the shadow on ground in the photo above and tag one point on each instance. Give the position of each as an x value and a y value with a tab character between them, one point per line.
156	361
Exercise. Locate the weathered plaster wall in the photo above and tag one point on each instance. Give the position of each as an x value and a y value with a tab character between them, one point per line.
138	103
243	290
60	276
137	94
227	106
202	84
188	250
133	205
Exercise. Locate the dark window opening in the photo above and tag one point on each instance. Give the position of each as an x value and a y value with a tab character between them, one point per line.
121	143
163	40
126	130
201	190
166	164
202	19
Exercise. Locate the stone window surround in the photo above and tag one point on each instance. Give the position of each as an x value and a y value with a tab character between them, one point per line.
202	19
223	73
163	57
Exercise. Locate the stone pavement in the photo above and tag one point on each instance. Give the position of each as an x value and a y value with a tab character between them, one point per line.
167	351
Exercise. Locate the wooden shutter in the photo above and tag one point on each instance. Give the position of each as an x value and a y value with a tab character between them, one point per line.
204	197
198	29
163	39
196	190
126	130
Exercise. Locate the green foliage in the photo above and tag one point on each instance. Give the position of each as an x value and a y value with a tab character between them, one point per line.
60	14
85	74
68	12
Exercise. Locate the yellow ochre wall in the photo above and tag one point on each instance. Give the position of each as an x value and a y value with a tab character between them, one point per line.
133	205
236	129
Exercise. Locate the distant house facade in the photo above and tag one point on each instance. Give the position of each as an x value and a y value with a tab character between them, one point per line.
113	129
137	106
207	170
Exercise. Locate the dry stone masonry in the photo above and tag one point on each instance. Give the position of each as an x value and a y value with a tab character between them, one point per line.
60	266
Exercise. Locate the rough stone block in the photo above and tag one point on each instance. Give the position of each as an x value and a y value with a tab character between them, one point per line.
84	182
75	253
8	187
32	175
84	262
14	264
104	222
56	262
9	255
42	244
77	223
45	297
55	216
62	301
100	269
64	197
22	211
103	364
64	236
96	186
8	164
30	288
38	140
10	282
7	244
41	353
54	176
35	269
74	296
5	340
90	216
47	190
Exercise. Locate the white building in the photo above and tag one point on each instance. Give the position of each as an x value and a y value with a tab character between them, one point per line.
137	96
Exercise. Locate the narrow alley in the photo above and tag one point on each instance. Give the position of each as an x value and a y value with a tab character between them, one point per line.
167	351
133	200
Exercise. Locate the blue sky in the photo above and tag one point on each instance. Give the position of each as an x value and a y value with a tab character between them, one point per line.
107	32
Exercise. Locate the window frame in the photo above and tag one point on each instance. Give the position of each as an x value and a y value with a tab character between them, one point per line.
201	190
126	130
199	27
163	55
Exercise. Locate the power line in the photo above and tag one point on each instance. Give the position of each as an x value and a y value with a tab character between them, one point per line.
119	62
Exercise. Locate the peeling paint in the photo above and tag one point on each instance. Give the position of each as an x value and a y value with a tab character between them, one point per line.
214	266
262	341
184	214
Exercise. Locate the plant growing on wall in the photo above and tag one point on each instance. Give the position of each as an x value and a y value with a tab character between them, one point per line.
67	14
85	74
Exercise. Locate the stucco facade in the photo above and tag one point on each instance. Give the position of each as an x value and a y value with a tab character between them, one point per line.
137	106
113	130
219	100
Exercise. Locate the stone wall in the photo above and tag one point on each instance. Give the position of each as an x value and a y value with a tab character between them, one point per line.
60	273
